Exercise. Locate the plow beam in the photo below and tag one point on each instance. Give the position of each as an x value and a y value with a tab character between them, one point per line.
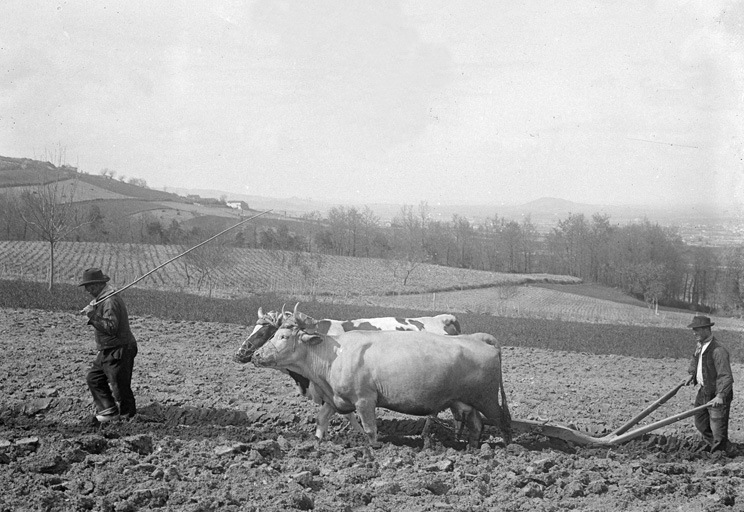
554	431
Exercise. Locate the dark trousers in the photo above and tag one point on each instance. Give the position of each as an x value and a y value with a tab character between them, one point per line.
110	379
712	422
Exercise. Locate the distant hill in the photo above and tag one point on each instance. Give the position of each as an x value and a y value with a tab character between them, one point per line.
24	172
542	210
117	198
293	207
711	222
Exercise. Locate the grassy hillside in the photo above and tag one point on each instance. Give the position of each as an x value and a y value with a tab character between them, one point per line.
128	190
534	301
117	199
22	172
15	172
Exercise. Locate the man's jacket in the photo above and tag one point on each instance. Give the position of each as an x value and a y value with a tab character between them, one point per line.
717	377
111	322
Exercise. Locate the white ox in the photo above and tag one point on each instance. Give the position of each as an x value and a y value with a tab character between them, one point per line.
268	323
416	373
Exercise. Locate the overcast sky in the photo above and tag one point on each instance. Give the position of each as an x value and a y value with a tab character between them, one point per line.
488	102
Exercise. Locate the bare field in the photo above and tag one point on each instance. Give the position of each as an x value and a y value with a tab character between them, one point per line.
213	435
82	191
550	304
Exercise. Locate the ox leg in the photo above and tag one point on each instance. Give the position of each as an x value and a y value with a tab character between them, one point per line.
366	410
426	432
475	425
460	412
356	427
324	417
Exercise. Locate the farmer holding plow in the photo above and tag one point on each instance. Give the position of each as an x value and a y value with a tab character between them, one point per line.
110	377
711	368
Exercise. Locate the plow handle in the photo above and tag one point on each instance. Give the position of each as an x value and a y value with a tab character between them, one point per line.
653	426
648	410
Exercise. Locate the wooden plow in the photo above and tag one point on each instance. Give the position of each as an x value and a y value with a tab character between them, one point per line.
621	435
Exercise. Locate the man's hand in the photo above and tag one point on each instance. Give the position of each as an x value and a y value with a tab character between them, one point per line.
687	381
89	310
716	402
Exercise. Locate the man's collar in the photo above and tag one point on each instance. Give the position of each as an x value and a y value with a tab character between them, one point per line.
107	290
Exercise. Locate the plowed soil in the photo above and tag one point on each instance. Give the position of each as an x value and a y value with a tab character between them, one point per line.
212	434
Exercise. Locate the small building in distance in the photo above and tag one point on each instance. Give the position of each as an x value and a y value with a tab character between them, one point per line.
238	205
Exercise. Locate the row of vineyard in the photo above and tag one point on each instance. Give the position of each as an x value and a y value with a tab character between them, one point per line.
237	272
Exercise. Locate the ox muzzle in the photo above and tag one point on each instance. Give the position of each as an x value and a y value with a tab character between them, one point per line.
257	339
266	356
244	354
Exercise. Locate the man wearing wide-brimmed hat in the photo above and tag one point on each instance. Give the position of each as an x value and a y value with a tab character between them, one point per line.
110	376
710	367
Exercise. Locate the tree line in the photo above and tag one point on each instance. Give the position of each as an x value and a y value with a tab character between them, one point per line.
644	259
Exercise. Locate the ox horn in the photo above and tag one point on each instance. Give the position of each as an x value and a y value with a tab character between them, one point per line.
300	318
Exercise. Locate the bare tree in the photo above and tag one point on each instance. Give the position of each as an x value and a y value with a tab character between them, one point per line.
56	155
313	221
402	268
50	211
202	265
370	227
529	242
107	173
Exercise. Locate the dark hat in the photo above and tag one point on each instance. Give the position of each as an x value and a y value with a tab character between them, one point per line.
93	275
700	321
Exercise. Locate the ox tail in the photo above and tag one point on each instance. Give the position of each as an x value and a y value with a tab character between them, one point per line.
506	428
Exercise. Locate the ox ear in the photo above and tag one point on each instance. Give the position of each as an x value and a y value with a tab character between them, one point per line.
310	338
260	312
304	321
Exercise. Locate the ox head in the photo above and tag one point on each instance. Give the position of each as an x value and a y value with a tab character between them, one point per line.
266	325
281	350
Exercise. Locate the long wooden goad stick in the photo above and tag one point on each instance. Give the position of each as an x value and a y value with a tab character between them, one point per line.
98	301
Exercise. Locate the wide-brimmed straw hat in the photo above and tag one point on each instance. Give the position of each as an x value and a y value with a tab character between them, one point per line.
700	321
93	275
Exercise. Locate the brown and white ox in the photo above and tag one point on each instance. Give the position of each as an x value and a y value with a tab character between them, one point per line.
268	323
411	372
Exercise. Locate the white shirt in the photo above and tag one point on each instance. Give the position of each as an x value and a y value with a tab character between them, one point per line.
699	375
